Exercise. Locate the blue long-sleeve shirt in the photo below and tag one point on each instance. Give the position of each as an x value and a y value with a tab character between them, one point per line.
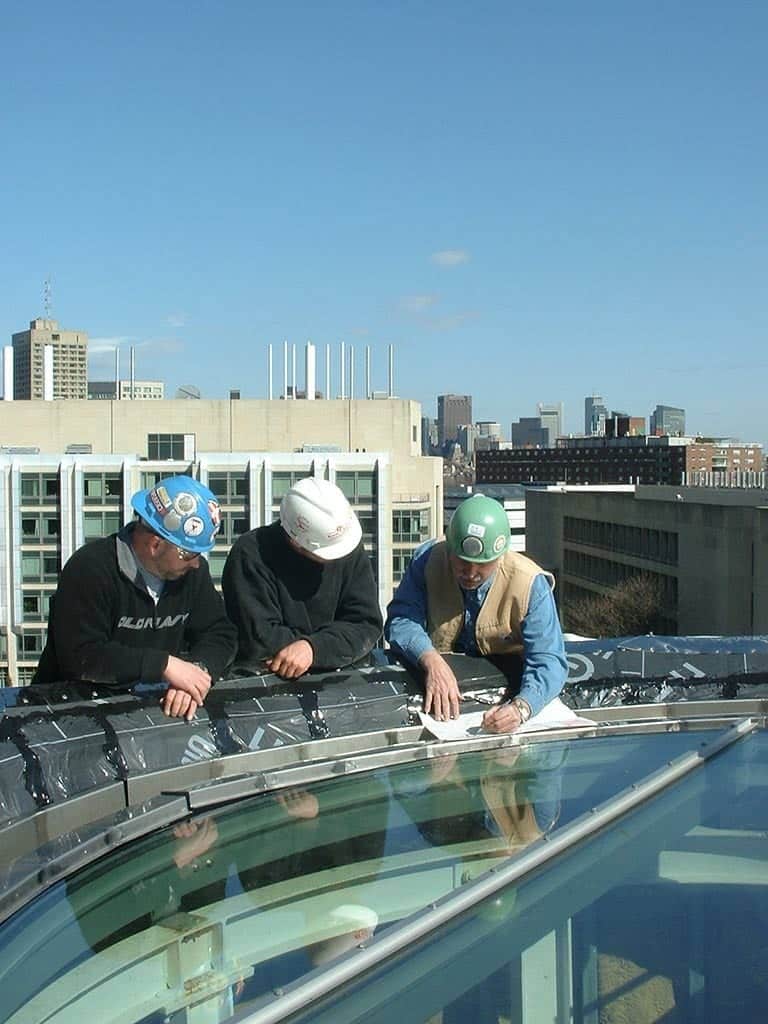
544	664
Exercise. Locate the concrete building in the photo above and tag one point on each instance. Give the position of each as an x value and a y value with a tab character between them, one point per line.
69	368
667	419
248	452
105	390
453	411
707	549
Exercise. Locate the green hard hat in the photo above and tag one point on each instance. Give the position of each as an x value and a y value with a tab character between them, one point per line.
478	530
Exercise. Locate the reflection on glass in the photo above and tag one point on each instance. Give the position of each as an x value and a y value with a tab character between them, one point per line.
219	911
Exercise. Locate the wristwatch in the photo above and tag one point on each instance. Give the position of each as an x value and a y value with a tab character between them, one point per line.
523	708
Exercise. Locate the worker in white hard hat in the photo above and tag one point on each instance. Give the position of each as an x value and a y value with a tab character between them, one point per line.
301	591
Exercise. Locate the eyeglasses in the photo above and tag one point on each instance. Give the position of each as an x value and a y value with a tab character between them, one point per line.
186	556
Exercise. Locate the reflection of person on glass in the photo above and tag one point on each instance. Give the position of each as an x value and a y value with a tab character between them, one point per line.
513	798
470	594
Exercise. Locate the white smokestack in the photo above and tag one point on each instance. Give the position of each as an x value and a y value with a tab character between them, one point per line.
367	371
342	370
117	371
133	373
269	371
391	388
293	367
8	373
285	369
351	371
47	373
309	370
327	370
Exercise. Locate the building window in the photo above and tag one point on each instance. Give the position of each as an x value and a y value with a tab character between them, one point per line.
410	526
283	481
230	488
102	488
359	486
35	604
165	446
32	644
99	524
39	488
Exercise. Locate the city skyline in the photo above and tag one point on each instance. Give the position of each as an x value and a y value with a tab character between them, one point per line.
530	205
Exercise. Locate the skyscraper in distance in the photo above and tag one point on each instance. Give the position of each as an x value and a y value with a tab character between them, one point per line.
453	411
595	415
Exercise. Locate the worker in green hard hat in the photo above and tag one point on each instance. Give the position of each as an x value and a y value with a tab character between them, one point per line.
471	594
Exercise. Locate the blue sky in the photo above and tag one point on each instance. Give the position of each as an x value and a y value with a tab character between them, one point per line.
531	201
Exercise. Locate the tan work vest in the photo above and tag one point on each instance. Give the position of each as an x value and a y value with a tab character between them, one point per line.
497	630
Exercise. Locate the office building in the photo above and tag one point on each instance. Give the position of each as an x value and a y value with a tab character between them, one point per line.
63	376
551	417
667	419
453	411
529	433
595	415
706	549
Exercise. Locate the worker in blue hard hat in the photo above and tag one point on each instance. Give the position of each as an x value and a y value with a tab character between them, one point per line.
471	594
140	605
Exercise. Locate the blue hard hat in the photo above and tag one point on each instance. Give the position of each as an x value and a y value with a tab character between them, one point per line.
182	511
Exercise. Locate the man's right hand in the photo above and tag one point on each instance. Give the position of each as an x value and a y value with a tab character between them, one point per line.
442	690
183	675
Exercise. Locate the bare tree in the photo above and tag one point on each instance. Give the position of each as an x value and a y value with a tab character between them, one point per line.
631	608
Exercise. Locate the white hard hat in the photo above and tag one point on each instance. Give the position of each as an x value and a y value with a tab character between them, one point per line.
316	515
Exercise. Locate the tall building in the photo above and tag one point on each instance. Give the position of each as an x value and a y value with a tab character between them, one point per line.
667	419
68	370
453	411
595	415
551	417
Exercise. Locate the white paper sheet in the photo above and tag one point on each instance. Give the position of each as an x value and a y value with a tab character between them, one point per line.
554	715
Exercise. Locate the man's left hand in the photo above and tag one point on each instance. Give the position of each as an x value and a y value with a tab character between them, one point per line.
293	660
178	704
502	718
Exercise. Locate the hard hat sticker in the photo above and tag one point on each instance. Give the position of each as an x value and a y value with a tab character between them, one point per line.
184	503
160	499
172	520
193	526
214	511
475	530
499	544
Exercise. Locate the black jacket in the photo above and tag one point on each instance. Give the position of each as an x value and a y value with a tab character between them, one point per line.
275	595
104	626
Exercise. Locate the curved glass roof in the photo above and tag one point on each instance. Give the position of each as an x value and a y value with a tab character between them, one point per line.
609	878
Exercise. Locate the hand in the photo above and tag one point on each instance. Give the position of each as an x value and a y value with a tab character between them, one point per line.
298	803
504	717
178	704
183	675
196	837
442	690
293	660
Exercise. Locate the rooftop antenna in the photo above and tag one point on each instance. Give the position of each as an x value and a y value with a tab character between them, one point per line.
47	297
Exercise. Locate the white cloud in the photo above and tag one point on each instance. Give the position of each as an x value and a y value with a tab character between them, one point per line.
450	321
417	303
450	257
176	319
101	346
